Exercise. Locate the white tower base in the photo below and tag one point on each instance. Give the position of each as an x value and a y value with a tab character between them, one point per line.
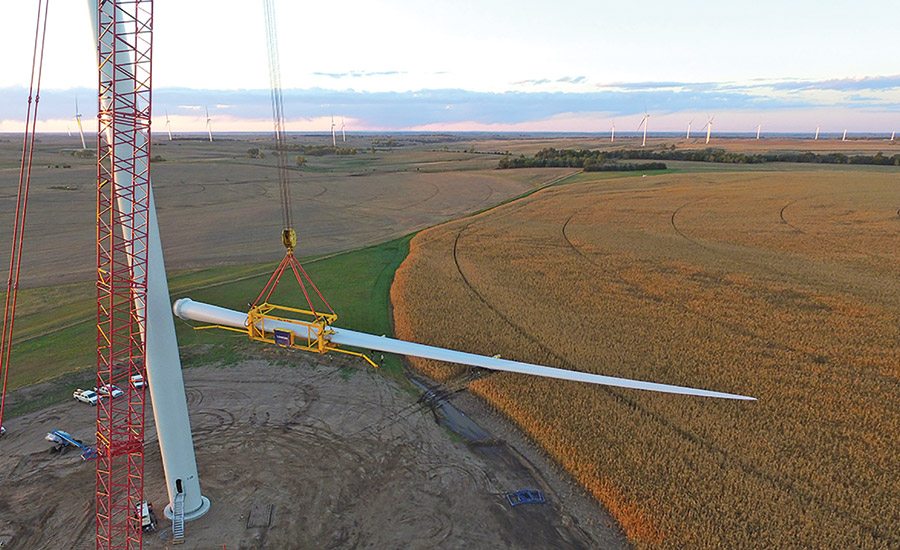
188	516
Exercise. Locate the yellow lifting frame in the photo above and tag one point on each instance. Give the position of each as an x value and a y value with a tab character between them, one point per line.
317	329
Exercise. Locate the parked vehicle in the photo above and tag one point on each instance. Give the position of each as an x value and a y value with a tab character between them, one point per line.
113	390
137	381
86	396
147	515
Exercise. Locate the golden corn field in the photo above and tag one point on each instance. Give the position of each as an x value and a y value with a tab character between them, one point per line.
779	285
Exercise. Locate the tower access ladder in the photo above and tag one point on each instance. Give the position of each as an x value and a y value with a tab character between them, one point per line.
178	519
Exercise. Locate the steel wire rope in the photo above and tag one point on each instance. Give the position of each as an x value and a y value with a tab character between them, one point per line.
278	114
15	260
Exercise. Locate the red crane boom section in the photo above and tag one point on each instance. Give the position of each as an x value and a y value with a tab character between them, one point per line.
123	210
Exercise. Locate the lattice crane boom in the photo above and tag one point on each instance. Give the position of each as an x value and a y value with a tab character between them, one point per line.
135	330
123	181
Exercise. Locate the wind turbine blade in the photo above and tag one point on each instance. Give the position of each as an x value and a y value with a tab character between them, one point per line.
190	310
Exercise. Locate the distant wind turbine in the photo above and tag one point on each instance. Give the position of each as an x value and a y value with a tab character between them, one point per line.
688	135
845	135
343	135
892	135
78	120
612	133
817	132
68	131
709	122
208	124
333	140
644	124
758	129
169	126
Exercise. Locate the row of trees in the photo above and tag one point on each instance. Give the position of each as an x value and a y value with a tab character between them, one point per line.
624	167
584	157
320	150
590	161
720	155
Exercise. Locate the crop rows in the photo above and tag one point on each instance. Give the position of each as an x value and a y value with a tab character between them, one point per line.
706	283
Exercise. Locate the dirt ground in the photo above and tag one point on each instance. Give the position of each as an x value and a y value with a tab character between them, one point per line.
323	453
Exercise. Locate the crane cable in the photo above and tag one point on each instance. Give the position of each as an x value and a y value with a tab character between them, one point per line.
15	257
288	235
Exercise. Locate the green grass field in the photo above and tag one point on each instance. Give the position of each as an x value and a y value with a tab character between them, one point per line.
55	336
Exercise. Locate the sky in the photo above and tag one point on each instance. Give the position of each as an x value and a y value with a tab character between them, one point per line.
489	65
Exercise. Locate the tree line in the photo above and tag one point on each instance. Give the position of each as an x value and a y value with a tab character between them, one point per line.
591	160
320	150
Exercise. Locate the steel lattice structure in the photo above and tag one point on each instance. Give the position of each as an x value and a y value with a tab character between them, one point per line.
123	180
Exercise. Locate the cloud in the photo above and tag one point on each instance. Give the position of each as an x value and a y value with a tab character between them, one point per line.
572	79
511	109
532	82
842	84
360	74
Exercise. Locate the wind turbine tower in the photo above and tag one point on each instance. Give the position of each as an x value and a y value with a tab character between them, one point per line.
333	140
644	124
343	134
612	134
709	122
78	120
688	135
758	129
208	124
817	133
892	135
844	138
169	126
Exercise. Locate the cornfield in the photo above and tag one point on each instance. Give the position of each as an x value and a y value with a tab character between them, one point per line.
778	285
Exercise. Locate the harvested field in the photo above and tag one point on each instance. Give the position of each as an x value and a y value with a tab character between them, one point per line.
216	206
778	285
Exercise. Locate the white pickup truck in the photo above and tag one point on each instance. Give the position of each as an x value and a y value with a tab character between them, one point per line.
112	390
86	396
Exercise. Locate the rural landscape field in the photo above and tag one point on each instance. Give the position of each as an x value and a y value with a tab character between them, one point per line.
773	280
345	435
414	275
775	283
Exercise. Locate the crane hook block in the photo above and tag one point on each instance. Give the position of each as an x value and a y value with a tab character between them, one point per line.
289	238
